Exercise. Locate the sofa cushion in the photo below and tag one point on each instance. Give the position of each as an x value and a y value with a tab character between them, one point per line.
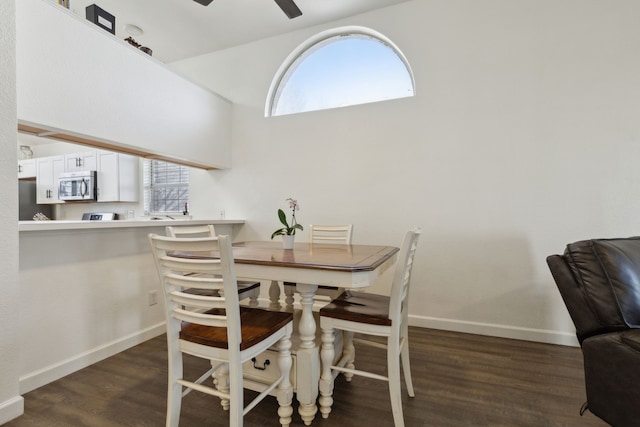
608	273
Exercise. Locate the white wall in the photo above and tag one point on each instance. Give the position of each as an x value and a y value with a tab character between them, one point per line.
11	403
99	281
523	136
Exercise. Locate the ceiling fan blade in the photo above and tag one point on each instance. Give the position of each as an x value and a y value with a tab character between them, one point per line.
204	2
289	8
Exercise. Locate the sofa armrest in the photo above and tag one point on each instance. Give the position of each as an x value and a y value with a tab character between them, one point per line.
584	319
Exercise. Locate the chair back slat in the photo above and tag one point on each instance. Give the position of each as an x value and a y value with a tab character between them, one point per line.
196	300
192	317
331	233
176	263
196	282
180	271
187	244
190	231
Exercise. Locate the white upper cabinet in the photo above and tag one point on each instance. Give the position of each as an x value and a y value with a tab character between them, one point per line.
48	169
117	177
80	162
78	80
27	168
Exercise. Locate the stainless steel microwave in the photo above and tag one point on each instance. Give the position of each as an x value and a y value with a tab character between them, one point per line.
78	186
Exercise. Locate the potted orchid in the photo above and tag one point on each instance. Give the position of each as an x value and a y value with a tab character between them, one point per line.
288	231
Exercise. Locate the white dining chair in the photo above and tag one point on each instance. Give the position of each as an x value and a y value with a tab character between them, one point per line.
246	288
216	328
371	315
340	234
331	233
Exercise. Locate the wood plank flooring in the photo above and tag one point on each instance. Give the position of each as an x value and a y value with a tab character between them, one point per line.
459	380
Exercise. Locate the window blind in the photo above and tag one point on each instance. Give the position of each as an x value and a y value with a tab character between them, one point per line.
166	186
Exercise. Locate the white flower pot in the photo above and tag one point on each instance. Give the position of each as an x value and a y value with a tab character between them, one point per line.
287	241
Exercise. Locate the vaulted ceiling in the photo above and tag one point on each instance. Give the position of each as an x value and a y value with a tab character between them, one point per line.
179	29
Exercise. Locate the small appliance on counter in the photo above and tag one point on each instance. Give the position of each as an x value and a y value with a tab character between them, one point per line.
92	216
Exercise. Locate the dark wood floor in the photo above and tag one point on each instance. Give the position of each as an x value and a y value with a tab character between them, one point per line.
459	379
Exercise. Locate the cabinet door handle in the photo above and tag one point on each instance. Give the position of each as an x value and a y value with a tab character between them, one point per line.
19	168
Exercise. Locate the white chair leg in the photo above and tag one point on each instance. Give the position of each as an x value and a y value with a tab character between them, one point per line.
327	354
236	393
285	390
393	371
349	352
406	365
174	392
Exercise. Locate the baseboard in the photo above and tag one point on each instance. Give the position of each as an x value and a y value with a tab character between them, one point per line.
11	409
494	330
36	379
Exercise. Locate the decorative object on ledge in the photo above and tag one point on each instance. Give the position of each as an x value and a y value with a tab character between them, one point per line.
288	232
134	43
39	216
25	153
134	30
64	3
101	18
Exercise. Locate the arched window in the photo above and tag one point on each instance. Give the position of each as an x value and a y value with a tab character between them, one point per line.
340	67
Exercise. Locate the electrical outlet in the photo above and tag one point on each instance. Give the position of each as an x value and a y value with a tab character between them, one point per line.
153	298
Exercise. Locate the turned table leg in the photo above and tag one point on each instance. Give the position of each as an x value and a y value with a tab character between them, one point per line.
307	357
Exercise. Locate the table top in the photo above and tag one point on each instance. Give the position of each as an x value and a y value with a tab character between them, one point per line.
321	256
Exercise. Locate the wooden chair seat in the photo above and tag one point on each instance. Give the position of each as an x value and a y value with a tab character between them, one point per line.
359	307
256	325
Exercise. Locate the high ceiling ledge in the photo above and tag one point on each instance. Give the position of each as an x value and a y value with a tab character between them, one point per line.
78	83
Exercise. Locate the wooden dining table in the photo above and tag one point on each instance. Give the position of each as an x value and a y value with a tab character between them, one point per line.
310	265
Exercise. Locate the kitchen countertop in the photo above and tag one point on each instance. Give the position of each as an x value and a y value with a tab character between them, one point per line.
83	225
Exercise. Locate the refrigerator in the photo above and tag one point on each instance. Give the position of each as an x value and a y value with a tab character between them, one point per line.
27	201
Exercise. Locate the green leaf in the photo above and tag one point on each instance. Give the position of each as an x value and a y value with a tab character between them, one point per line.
283	218
278	233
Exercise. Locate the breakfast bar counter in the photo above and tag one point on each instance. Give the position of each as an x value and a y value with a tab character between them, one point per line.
223	226
88	290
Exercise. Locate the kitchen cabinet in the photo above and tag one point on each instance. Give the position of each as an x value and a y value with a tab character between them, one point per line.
80	162
48	169
27	168
117	177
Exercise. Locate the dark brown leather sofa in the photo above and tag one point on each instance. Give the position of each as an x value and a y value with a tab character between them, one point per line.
599	281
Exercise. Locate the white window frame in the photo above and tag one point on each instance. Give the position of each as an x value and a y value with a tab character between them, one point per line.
314	42
148	186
